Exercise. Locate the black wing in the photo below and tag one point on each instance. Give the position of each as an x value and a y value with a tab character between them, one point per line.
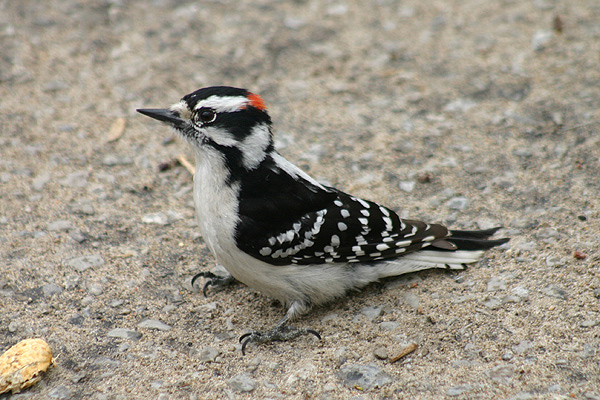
309	224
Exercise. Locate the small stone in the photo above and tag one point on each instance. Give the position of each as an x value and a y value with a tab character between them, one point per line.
95	289
77	179
51	289
40	181
154	324
364	376
61	392
493	303
112	160
77	236
372	312
13	326
458	390
495	284
589	351
520	292
389	325
459	105
522	347
458	203
540	39
590	323
77	319
407	186
555	291
555	261
508	355
83	206
380	352
410	299
123	333
209	354
502	373
242	383
60	225
158	218
294	23
54	86
85	262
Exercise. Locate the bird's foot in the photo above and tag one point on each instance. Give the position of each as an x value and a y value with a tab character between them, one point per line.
279	333
219	282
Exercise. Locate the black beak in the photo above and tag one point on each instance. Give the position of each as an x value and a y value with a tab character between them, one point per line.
161	114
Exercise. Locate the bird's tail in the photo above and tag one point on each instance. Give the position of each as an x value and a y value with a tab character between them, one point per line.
455	252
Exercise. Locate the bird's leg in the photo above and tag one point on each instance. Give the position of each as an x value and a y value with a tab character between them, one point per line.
280	332
217	281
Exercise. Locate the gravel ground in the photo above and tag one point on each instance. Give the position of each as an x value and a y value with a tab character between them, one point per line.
469	112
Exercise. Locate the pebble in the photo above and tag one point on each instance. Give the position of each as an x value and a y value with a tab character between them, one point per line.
410	299
555	291
242	383
493	303
77	236
389	325
85	262
95	289
154	324
77	179
123	333
495	284
158	218
522	347
366	377
458	390
555	261
502	373
380	352
60	392
112	160
520	292
458	203
540	39
40	181
209	354
82	206
407	186
372	312
51	289
60	225
589	323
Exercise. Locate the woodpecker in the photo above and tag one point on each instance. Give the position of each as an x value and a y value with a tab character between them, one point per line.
279	231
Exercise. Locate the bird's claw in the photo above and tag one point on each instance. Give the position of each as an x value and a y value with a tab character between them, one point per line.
279	333
213	280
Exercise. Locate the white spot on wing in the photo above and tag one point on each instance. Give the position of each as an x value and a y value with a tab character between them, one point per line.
335	240
265	251
345	213
382	247
342	226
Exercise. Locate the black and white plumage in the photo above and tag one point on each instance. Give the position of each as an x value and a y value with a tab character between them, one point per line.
276	229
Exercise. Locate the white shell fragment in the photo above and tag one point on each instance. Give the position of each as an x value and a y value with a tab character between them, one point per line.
21	366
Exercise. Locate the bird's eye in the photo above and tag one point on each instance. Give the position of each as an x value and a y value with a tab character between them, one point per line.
207	115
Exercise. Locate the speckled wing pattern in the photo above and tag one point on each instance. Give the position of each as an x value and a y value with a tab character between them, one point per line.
347	229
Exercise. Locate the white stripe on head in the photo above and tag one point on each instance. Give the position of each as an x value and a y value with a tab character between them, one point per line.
223	103
254	145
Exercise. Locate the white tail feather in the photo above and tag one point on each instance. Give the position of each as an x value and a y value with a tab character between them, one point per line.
427	259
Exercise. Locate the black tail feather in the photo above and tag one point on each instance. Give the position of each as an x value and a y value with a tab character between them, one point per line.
475	240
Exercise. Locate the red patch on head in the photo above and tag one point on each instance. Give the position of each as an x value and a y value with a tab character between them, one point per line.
257	102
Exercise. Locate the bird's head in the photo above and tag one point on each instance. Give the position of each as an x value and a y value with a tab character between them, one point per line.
232	121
